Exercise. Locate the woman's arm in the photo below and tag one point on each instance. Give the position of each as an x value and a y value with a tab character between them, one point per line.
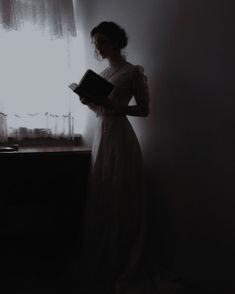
112	108
140	109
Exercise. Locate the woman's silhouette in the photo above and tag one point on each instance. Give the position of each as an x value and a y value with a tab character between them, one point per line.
115	215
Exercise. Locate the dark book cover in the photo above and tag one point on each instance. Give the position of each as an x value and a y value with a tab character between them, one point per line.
94	87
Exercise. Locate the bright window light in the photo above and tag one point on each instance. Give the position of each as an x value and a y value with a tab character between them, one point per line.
35	71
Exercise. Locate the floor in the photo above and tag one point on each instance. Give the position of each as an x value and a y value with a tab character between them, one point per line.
21	275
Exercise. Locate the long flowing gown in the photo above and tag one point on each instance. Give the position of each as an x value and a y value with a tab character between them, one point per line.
115	213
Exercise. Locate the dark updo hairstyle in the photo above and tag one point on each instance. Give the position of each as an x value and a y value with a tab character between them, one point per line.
113	32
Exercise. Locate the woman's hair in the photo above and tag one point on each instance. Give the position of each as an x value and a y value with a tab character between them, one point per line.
113	32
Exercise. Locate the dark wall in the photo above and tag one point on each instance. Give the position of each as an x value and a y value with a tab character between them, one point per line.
188	141
193	148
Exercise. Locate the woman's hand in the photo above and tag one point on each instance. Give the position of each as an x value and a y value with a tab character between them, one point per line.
106	103
85	101
73	86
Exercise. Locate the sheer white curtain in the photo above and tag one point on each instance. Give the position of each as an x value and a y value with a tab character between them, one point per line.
41	54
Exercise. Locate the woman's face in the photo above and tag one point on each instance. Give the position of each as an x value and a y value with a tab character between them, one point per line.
103	45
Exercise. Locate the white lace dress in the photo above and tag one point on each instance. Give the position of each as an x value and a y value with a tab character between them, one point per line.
115	212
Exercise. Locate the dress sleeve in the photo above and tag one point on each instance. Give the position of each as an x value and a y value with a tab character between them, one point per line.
140	85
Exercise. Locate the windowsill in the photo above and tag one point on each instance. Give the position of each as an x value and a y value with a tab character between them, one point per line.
45	145
52	149
47	142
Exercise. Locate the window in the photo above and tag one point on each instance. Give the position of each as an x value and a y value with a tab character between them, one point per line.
41	54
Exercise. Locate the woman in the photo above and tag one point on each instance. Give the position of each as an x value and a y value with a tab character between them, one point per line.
115	216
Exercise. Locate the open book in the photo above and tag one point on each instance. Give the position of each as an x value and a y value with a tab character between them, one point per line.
92	86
